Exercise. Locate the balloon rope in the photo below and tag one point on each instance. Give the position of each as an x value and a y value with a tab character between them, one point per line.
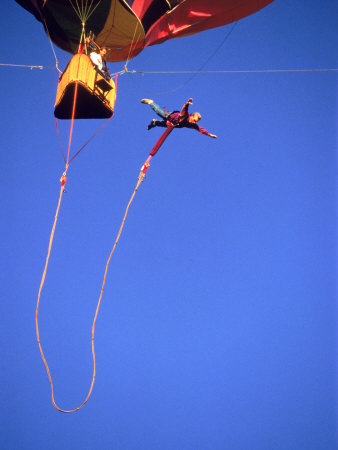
198	71
90	12
77	10
180	72
51	44
92	137
131	45
86	11
27	66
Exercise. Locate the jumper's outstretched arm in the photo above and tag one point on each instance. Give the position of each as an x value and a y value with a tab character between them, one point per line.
184	114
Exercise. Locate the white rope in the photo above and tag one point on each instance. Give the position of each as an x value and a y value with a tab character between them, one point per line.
52	47
231	71
28	66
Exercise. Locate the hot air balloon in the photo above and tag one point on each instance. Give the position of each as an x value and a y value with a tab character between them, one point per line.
126	27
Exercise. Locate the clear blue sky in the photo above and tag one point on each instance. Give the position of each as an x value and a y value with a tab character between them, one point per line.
218	325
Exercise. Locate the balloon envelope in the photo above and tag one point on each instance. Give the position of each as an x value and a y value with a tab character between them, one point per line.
128	26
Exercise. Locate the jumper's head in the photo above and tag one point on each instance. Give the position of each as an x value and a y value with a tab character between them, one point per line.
194	117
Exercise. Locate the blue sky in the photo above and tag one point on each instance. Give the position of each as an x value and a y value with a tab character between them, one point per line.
218	324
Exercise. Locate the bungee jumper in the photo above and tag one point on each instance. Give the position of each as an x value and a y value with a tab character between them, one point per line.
171	120
178	119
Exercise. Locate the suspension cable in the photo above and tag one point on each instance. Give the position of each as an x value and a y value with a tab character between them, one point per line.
180	72
226	37
131	47
86	10
27	66
51	44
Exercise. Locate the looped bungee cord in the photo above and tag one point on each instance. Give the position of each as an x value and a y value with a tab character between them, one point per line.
63	180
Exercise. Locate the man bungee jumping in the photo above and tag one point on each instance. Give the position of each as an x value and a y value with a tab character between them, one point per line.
177	119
